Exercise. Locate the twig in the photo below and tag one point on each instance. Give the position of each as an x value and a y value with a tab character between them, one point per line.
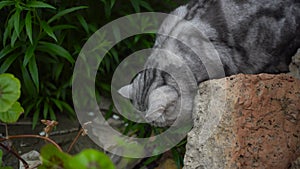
62	132
25	164
75	139
33	136
82	131
6	130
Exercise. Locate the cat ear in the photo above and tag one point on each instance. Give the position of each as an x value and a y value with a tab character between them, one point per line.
126	91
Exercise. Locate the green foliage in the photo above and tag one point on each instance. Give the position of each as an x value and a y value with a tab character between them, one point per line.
35	50
87	159
10	90
41	40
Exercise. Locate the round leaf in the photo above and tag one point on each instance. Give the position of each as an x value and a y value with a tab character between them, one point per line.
90	159
12	114
10	90
53	158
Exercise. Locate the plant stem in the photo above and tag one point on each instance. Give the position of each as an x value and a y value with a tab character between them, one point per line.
25	164
6	130
33	136
75	140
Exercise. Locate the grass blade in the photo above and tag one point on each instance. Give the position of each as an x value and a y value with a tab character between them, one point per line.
16	17
13	38
83	23
6	50
112	3
146	5
48	30
45	111
28	84
136	5
34	72
6	3
35	118
6	64
28	26
58	69
64	12
52	114
28	54
61	27
39	4
52	48
7	32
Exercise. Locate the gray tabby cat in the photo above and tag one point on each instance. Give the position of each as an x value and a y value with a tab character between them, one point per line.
251	36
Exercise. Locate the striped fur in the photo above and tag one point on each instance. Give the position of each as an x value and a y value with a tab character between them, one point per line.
251	36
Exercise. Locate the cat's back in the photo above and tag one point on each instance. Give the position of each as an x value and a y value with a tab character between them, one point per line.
246	33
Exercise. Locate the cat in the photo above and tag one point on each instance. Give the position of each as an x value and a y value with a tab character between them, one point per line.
250	36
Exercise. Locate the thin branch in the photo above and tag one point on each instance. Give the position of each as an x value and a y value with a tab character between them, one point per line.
82	131
33	136
8	149
6	130
75	140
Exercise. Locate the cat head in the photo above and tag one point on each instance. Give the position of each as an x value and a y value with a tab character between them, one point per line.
150	94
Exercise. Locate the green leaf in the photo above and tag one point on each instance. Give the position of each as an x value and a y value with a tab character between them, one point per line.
107	64
16	17
83	23
10	90
48	30
146	5
90	159
39	4
57	71
67	107
7	32
112	3
6	3
64	12
28	109
6	64
45	110
115	55
28	54
105	87
136	5
34	72
53	158
1	154
52	48
61	27
28	26
7	50
52	114
35	118
12	114
13	39
28	84
57	103
107	9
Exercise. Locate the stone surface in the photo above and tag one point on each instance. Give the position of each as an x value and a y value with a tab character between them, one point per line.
294	67
32	158
246	121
